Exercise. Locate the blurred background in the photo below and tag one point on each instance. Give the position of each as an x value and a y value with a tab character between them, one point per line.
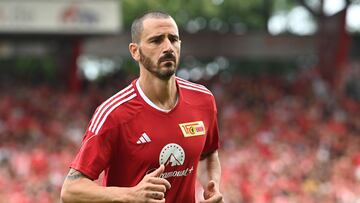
285	73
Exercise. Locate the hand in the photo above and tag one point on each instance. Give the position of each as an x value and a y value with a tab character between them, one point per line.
212	194
151	188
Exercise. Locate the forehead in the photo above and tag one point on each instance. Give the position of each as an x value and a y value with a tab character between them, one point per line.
159	26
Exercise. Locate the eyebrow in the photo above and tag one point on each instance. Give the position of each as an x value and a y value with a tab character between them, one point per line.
155	37
162	36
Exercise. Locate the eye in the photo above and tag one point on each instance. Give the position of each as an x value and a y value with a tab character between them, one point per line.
156	40
173	39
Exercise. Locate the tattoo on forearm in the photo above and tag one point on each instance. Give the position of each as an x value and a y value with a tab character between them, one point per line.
74	174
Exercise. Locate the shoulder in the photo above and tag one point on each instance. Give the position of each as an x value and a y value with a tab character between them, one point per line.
194	88
196	94
120	104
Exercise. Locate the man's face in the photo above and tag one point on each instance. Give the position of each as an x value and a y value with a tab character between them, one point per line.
159	47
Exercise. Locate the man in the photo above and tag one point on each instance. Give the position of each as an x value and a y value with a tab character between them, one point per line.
149	137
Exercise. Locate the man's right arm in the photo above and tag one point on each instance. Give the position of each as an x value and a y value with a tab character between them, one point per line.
78	188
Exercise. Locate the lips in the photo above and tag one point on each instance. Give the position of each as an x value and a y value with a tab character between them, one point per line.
167	58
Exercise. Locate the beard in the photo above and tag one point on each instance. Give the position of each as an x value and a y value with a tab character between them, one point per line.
162	72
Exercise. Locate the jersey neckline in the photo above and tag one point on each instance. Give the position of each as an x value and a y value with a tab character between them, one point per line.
151	104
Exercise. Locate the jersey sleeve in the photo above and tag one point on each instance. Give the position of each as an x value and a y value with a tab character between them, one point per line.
96	150
212	137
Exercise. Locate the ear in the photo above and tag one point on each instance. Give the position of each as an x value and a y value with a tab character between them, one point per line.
134	51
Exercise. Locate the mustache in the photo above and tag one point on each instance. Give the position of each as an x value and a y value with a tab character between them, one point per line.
167	57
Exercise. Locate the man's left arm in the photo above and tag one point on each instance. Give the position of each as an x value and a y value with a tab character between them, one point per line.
209	174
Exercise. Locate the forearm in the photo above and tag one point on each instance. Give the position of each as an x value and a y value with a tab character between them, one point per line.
213	167
82	189
210	169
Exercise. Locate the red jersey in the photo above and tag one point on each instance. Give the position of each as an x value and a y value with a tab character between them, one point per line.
128	137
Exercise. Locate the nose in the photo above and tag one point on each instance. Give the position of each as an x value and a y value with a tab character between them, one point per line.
168	46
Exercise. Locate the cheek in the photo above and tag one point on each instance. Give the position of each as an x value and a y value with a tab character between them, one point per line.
149	54
177	49
152	54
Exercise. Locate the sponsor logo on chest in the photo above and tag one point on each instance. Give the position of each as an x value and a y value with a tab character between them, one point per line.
173	155
192	129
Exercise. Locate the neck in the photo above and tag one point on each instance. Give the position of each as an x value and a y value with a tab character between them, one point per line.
163	93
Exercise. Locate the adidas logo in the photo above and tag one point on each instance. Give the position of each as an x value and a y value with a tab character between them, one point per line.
144	138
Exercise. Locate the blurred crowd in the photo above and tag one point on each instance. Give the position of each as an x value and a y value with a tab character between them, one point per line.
287	138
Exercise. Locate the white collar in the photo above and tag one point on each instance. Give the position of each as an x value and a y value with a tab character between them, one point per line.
148	101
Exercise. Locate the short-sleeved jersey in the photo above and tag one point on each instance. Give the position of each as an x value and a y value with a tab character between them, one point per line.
128	137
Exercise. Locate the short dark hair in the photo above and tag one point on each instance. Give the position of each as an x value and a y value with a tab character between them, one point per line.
137	25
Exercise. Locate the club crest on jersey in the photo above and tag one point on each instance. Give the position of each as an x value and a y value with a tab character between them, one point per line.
192	129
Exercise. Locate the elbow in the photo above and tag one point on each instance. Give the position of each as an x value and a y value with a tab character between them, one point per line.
65	194
64	197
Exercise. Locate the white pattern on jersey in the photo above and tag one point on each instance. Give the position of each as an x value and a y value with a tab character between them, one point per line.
192	86
108	106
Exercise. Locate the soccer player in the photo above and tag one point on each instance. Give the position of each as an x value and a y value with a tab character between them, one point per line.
149	137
